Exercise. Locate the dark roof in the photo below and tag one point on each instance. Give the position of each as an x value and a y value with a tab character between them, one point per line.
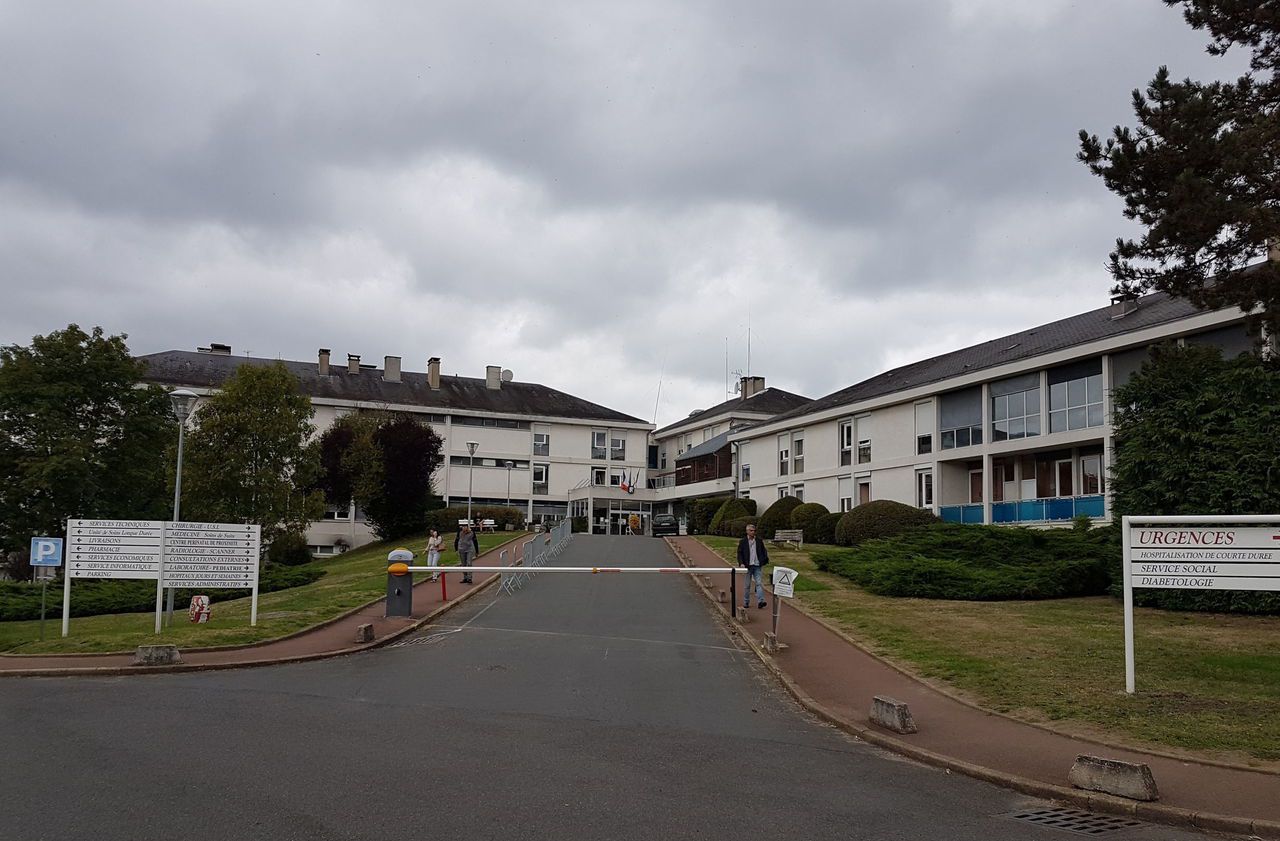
707	447
771	401
456	394
1152	310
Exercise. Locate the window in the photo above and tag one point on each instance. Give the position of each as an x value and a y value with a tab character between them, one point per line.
338	512
797	458
864	492
960	416
924	428
1076	404
615	478
784	454
541	440
599	442
541	477
784	492
617	446
924	489
1091	476
864	438
963	436
846	443
845	493
500	423
746	473
1016	415
662	460
597	475
864	451
798	492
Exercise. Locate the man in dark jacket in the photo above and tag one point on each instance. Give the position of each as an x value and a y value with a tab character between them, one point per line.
753	555
467	547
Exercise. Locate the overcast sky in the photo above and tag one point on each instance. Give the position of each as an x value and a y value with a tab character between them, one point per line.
596	195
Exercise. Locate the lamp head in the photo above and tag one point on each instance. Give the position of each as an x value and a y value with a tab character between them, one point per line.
471	447
183	402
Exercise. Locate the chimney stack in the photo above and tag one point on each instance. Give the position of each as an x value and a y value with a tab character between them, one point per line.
751	386
216	348
493	377
323	365
353	363
433	372
391	369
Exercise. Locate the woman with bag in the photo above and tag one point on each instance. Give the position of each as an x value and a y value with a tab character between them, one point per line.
434	544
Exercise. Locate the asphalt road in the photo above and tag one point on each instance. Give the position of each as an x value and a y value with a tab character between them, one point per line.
583	707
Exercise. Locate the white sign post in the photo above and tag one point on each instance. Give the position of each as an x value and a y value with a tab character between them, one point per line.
1197	552
181	554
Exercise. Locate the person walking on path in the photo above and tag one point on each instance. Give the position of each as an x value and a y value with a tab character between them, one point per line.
753	556
468	547
435	543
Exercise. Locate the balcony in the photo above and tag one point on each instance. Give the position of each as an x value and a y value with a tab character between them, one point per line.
1057	509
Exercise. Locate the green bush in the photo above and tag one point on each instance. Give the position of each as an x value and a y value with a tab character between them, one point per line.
21	600
806	516
824	529
289	549
750	505
732	509
980	563
737	527
778	516
879	518
700	511
580	525
445	520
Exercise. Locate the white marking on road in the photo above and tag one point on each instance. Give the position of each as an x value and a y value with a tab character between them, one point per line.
427	640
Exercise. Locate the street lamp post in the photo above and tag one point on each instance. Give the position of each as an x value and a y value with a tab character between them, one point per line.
510	464
183	402
471	472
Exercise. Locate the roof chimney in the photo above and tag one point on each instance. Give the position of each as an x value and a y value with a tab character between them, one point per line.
1122	305
751	386
391	369
216	348
353	363
433	372
493	377
323	365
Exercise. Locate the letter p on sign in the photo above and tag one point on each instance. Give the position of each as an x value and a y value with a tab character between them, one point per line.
46	551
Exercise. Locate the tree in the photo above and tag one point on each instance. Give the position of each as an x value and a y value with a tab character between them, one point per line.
1201	172
384	463
248	458
79	436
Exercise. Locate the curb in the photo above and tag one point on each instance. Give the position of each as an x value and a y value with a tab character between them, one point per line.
238	647
1094	802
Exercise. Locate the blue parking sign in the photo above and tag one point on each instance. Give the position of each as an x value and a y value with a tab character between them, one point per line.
46	551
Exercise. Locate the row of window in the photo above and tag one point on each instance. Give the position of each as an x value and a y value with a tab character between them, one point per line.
608	443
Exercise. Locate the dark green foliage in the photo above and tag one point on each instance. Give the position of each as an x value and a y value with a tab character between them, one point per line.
580	525
445	520
289	550
248	455
1201	172
78	438
806	516
732	509
979	563
778	516
737	527
700	512
824	529
750	505
94	598
879	518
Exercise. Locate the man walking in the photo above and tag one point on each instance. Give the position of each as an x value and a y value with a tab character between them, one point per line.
467	547
753	556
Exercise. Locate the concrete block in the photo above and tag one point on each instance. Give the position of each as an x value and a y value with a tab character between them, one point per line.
771	644
742	614
364	633
892	715
1112	776
706	581
722	597
157	655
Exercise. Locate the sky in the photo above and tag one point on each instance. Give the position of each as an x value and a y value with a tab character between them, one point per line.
603	197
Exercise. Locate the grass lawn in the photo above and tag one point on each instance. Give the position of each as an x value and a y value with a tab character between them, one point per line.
352	579
1207	683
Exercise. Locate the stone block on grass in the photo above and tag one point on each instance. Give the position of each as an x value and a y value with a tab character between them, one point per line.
1112	776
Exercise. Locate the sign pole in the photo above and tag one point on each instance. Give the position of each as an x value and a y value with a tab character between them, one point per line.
1128	607
253	605
777	604
160	579
44	588
66	599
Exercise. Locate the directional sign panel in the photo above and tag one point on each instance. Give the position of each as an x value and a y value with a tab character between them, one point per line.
1223	557
114	548
211	554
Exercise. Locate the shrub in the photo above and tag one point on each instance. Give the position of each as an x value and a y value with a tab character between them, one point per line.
579	525
778	516
806	516
732	509
737	527
824	529
289	549
700	512
982	563
750	505
445	520
880	518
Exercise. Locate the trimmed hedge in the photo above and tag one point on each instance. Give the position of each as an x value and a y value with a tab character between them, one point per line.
736	527
750	505
445	520
977	563
778	516
289	549
700	511
879	518
824	529
732	509
805	517
21	600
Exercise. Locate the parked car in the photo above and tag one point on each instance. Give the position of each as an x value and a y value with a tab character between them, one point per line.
665	525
